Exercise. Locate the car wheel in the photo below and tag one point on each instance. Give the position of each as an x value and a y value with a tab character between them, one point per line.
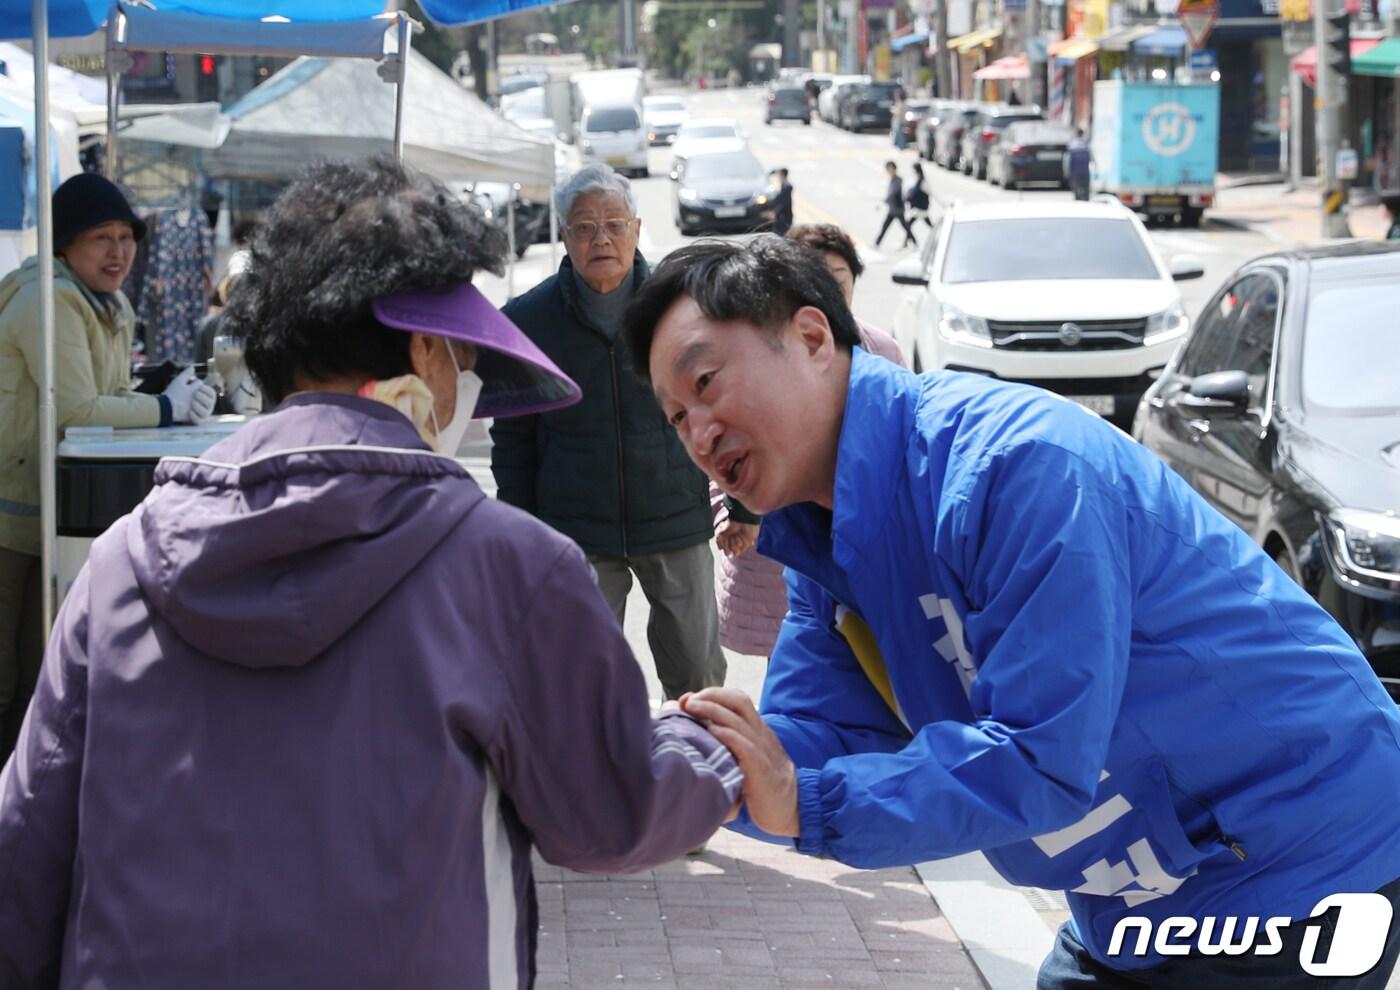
806	121
1286	563
1010	185
981	169
1191	216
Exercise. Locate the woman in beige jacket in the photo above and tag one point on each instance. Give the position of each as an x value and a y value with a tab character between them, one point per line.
95	236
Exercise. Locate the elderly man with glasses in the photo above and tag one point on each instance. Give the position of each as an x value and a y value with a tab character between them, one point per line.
609	472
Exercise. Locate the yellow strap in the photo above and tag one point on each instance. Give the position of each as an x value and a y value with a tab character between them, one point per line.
867	651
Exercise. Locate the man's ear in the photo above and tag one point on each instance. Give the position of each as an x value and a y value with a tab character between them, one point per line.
814	333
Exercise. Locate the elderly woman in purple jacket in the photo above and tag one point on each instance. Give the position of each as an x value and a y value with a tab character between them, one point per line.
307	709
749	589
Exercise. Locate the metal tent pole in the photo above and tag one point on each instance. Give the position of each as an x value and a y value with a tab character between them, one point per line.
48	419
553	226
510	240
115	67
405	42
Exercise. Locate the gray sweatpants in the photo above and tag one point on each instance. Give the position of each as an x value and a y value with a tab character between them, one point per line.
683	628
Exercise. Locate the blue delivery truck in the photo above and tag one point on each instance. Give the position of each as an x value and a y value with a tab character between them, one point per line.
1155	146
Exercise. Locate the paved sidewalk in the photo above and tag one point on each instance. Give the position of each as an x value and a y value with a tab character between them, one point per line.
746	915
1290	217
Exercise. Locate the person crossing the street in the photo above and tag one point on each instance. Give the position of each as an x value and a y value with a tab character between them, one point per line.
894	207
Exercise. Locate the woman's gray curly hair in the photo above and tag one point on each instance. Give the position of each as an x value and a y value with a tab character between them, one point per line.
341	235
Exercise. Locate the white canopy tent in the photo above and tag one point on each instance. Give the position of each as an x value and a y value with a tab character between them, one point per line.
329	109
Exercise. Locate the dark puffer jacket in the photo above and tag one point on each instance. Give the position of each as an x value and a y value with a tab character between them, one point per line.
608	472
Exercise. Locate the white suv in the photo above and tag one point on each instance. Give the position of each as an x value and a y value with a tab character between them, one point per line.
1070	296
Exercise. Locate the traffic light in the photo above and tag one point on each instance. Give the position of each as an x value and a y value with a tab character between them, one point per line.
1337	44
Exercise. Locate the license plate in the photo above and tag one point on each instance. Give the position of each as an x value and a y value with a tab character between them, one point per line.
1101	404
617	160
728	212
1163	201
1049	156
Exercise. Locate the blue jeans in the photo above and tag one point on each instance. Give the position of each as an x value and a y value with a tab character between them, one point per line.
1070	966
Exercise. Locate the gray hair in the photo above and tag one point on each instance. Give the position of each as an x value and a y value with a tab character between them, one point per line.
597	178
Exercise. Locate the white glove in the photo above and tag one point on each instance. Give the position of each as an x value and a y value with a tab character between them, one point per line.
191	401
202	403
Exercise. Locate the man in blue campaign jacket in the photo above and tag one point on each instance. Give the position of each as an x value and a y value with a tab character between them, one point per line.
1014	630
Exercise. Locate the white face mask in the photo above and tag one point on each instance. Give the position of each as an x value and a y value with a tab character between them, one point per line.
449	437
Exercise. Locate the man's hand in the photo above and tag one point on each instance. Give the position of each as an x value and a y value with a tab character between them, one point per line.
770	779
734	538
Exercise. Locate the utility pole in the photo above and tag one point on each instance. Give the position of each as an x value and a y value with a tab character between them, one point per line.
1333	74
943	55
792	24
822	65
1035	92
627	41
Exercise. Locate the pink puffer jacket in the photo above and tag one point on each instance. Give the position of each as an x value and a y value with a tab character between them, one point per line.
749	589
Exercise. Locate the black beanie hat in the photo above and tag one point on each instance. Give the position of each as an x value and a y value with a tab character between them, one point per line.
89	200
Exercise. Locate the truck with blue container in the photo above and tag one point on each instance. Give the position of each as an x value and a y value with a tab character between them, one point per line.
1155	146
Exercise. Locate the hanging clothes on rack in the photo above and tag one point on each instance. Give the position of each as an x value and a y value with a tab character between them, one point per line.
174	292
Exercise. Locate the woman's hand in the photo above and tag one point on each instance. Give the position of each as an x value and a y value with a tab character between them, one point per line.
735	538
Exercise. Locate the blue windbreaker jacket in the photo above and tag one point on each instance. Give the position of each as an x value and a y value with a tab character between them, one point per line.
1096	679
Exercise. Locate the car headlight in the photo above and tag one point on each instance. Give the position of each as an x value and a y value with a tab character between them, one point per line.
1163	326
689	196
760	199
587	145
1364	546
954	324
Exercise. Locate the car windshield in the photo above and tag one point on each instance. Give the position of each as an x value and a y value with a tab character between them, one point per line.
790	95
1045	248
697	131
735	165
664	103
1350	362
613	119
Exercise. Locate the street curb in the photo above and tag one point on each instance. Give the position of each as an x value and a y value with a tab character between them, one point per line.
1244	226
1005	936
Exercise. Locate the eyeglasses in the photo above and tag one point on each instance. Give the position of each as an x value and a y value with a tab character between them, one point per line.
586	230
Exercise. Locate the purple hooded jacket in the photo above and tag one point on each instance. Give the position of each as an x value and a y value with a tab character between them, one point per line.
302	717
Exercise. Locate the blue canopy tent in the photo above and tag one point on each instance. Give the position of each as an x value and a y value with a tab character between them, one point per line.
38	20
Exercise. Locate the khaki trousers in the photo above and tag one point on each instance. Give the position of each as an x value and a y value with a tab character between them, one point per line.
683	628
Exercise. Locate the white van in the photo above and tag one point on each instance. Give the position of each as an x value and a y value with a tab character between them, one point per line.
615	135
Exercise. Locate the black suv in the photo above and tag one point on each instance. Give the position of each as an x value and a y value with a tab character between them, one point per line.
1281	409
869	106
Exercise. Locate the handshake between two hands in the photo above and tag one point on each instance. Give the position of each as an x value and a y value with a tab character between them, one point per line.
770	779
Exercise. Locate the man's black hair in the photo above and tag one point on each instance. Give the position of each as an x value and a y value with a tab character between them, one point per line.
764	281
827	237
341	235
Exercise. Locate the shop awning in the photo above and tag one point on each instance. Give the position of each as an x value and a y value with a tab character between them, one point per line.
1072	49
1305	62
1011	67
965	43
1382	60
1119	39
905	41
1165	39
